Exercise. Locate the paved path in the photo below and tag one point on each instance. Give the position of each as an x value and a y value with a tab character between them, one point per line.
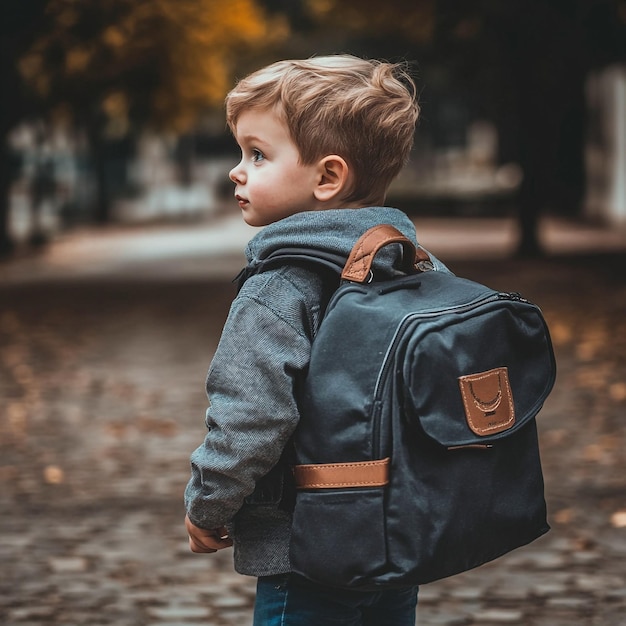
101	385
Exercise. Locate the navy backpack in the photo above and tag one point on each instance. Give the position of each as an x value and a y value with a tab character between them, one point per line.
416	453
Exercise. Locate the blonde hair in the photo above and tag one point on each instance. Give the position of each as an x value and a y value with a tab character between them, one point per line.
362	110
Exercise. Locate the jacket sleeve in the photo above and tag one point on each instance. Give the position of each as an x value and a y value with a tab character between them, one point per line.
253	410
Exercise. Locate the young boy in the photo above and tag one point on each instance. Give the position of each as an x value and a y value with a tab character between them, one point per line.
321	140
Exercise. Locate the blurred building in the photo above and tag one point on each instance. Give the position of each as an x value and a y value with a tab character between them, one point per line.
606	148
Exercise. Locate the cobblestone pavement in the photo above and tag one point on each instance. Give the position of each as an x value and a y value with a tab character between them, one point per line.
102	400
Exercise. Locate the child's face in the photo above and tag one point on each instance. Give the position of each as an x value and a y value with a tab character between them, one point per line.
270	183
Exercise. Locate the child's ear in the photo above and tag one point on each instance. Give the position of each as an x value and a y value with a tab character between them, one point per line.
333	178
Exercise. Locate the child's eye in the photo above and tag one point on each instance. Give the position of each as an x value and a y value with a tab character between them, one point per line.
257	155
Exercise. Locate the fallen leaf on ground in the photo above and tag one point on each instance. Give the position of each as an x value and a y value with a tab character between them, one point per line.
53	475
618	519
564	516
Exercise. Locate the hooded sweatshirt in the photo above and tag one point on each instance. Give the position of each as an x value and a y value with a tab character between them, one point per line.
237	478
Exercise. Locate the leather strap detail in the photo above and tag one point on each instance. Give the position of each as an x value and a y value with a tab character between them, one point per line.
488	401
359	263
337	475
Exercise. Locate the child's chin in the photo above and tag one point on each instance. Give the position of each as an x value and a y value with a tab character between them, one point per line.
254	220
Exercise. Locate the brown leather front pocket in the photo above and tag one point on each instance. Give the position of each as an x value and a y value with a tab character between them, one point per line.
488	401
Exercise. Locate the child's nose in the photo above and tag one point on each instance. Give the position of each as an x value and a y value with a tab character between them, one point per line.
237	174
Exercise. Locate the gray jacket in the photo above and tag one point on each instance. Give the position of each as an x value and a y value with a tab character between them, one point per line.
261	357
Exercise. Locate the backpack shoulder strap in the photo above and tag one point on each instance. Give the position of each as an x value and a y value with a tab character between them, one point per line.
296	256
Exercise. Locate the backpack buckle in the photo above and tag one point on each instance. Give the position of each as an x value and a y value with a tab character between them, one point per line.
425	265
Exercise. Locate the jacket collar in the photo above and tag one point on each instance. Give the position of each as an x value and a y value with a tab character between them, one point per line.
334	231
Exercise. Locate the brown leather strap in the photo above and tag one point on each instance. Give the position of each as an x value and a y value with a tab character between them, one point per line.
334	475
359	263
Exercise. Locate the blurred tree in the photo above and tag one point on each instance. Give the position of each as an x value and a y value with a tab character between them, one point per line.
18	27
408	20
541	52
114	66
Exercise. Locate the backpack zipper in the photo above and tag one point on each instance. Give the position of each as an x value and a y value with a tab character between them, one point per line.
515	296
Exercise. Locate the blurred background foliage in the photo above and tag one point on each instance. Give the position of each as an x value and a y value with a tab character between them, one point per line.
107	101
161	62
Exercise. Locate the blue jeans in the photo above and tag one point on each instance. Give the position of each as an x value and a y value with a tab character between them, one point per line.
290	600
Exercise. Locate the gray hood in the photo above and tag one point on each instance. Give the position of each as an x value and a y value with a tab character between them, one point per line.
334	230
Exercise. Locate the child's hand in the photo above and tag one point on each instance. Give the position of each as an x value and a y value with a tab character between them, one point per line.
203	540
